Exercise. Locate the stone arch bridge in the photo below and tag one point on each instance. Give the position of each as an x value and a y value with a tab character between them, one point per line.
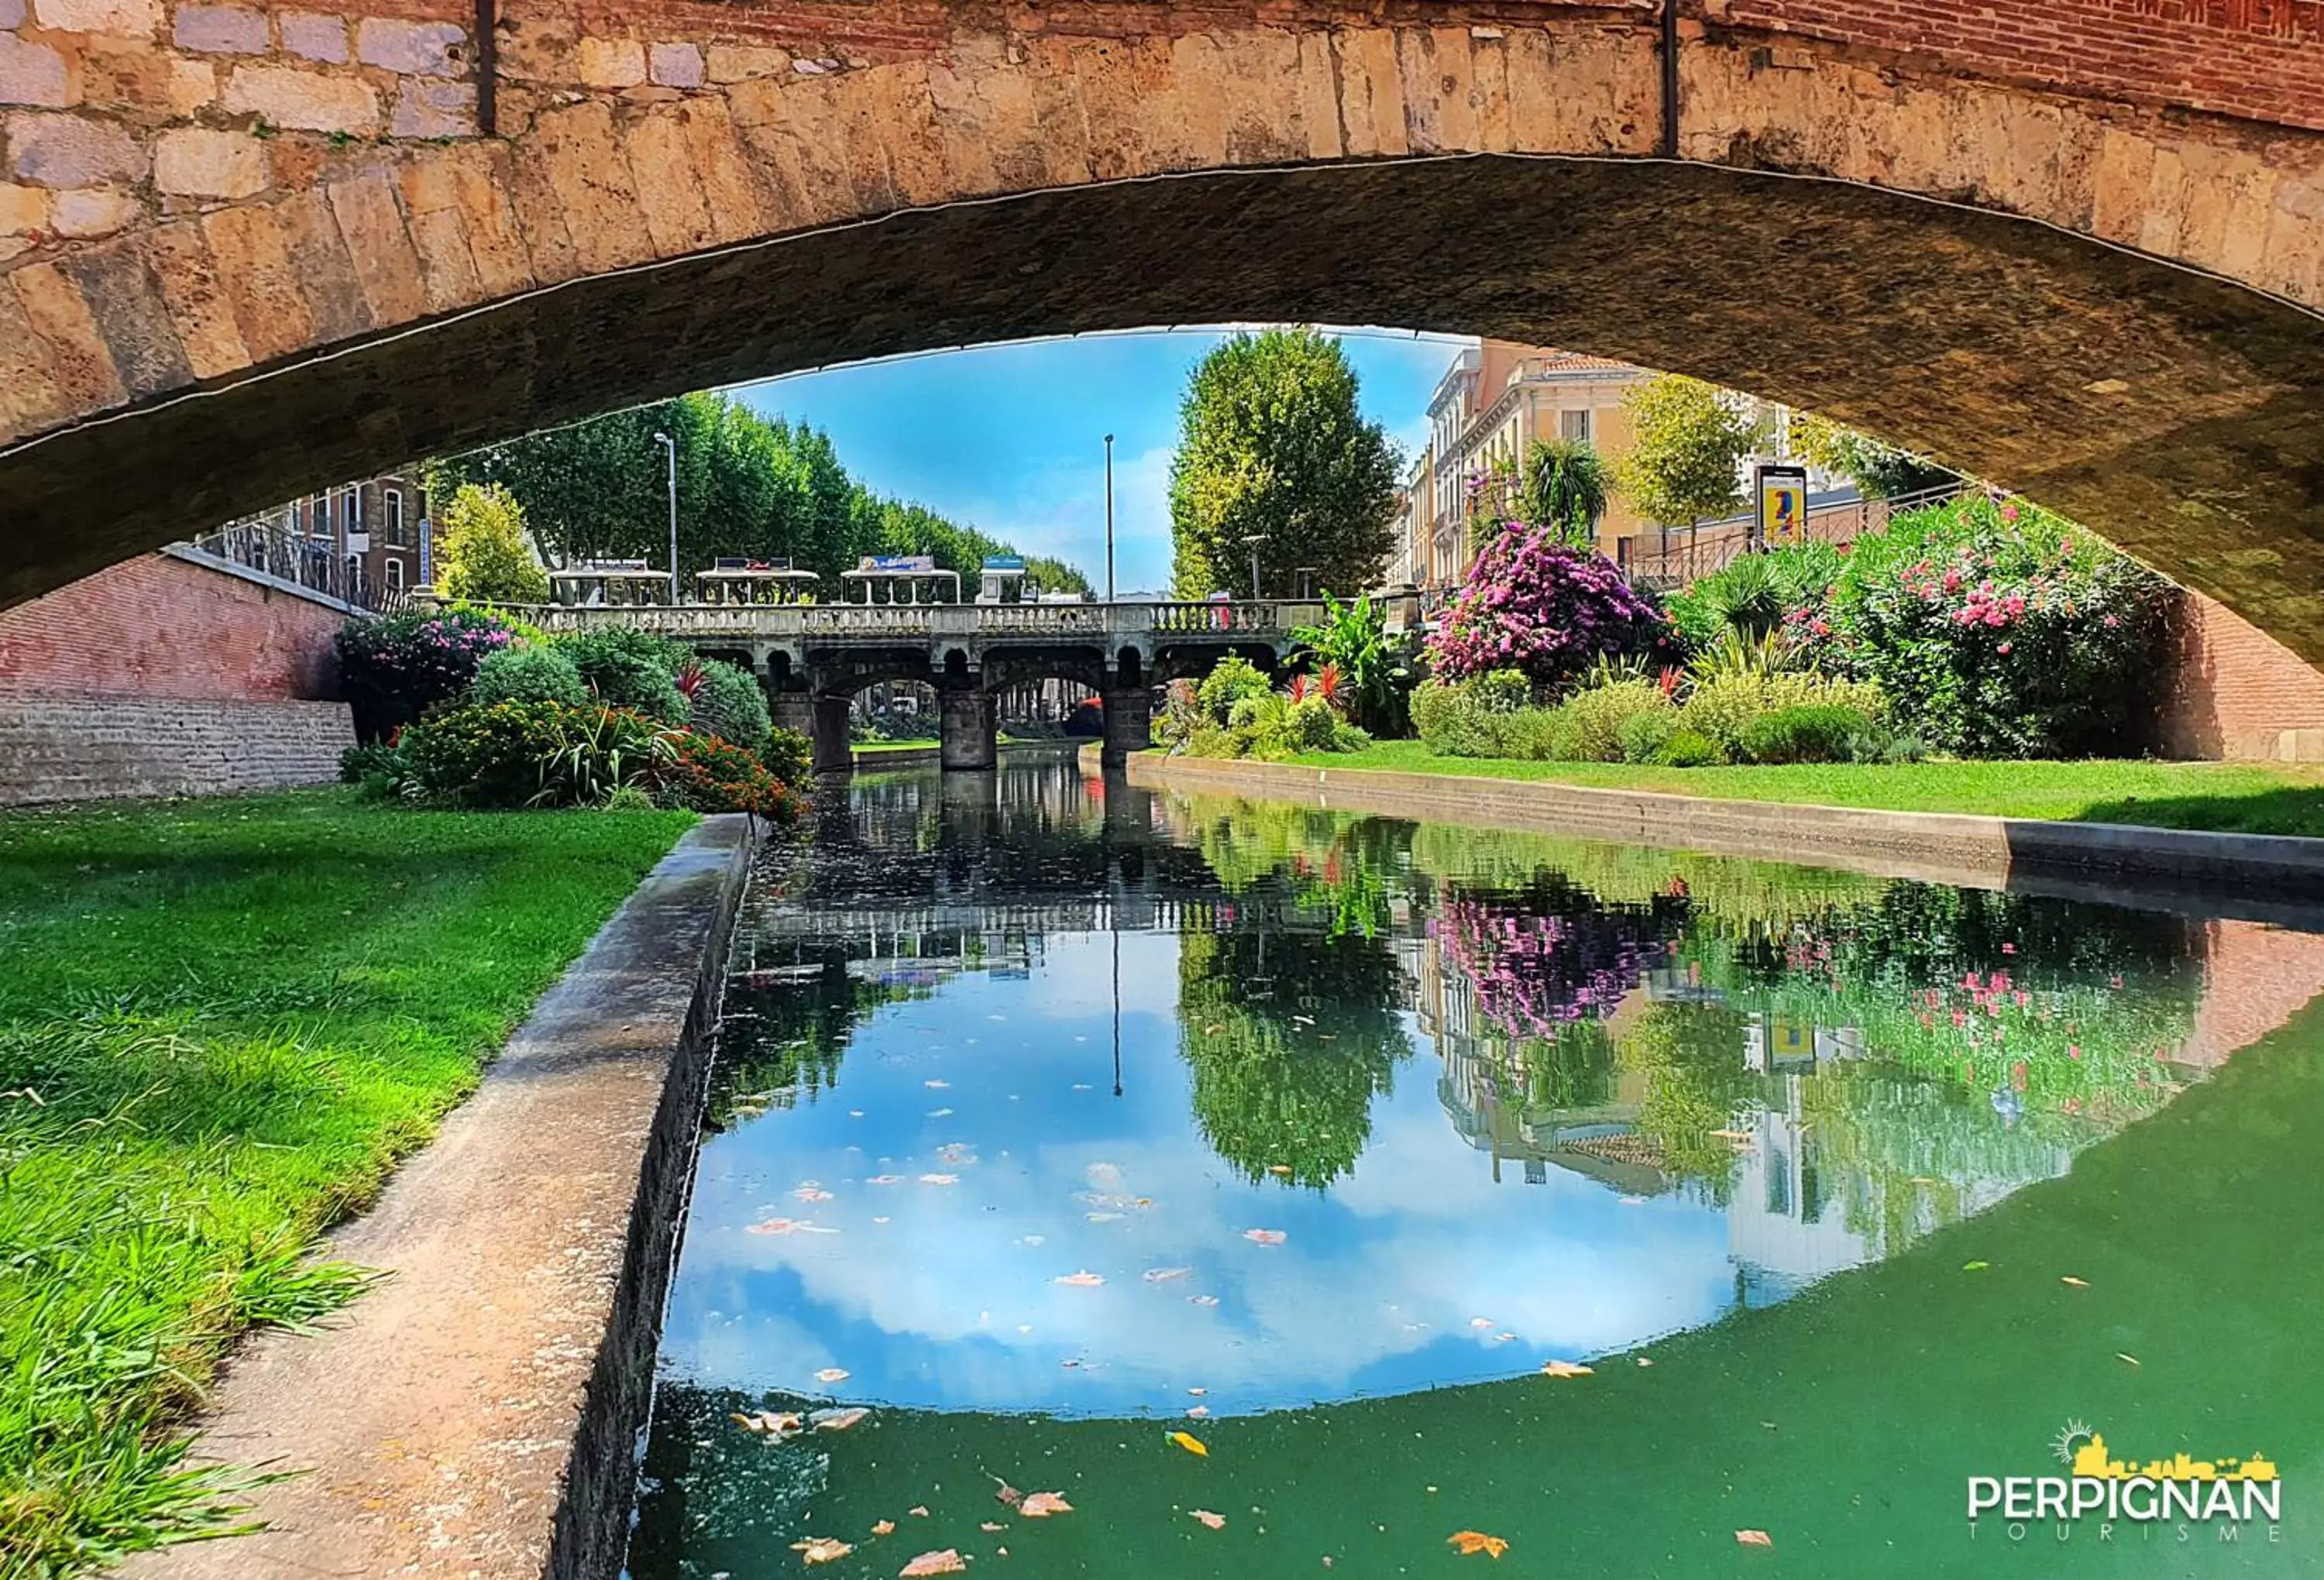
813	659
2075	246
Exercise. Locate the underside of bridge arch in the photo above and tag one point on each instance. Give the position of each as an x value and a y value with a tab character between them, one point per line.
2180	414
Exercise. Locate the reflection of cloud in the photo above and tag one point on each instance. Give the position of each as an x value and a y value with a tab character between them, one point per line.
1374	1287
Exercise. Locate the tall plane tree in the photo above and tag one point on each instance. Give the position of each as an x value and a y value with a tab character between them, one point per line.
1271	446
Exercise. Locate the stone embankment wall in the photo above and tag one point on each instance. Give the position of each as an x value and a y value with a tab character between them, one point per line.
166	677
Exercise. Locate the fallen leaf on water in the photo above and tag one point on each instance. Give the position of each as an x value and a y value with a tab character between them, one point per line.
947	1561
1563	1369
1213	1030
2120	1356
883	1180
1041	1505
921	1510
1975	1266
1007	1494
776	1425
1265	1236
2079	1284
1198	1393
811	1193
1278	1168
1481	1321
1190	1444
1165	1274
1922	1180
955	1153
883	1527
939	1113
1755	1538
1503	1337
1643	1362
1081	1281
1104	1217
838	1420
823	1549
1466	1542
1199	1411
1202	1299
777	1226
936	1086
831	1374
1215	1521
940	1179
990	1525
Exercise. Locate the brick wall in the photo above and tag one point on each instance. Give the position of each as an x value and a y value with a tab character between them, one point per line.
158	625
162	677
59	748
2254	58
2238	693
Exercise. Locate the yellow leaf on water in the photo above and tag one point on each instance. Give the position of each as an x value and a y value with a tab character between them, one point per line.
1467	1542
1278	1168
1199	1411
1215	1521
1755	1538
920	1509
2079	1284
940	1179
1041	1505
2120	1356
1190	1444
883	1527
990	1525
823	1549
1563	1369
1975	1266
1081	1281
947	1561
837	1420
1265	1236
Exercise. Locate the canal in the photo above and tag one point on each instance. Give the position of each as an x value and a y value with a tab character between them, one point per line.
1106	1182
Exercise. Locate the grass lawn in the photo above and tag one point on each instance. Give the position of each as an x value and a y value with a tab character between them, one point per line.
874	746
221	1023
2239	797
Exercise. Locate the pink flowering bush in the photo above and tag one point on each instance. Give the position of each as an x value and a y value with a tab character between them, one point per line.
1535	605
2000	629
395	668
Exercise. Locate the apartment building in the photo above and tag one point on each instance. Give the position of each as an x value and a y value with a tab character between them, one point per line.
371	538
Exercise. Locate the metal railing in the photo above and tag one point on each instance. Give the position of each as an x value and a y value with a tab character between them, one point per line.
313	564
1689	554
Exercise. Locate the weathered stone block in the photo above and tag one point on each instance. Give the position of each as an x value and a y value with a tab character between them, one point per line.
677	65
192	85
11	13
613	62
23	209
412	49
740	62
220	29
194	161
31	74
426	108
313	36
66	151
305	101
134	19
95	211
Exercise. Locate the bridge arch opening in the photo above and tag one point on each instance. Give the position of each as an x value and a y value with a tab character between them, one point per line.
2098	290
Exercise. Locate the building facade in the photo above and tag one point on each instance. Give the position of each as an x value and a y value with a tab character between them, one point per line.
374	538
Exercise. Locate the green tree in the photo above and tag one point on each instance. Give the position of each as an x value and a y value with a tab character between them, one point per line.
486	554
1690	438
1564	484
1271	444
1882	471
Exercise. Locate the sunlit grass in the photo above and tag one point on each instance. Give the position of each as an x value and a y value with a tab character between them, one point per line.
2236	797
221	1023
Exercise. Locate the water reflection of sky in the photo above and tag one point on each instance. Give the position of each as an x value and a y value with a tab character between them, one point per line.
1415	1270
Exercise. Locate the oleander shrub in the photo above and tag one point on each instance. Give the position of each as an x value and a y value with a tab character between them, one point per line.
395	668
525	673
1813	734
624	667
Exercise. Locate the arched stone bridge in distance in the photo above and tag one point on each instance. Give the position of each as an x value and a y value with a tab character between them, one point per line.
813	659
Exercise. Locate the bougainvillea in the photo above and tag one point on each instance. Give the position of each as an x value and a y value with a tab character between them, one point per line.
1533	604
1537	962
394	667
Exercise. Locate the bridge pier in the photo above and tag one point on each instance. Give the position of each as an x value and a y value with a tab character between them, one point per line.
1128	723
969	729
835	752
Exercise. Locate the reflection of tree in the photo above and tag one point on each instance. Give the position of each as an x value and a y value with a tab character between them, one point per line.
1290	1035
1691	1055
779	1042
1329	864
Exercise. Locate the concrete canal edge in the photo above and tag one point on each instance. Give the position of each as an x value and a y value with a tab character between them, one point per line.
476	1414
2075	859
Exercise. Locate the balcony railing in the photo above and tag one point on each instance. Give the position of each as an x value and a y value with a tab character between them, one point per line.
313	564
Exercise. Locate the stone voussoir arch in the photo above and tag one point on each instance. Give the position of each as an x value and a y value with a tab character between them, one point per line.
2075	245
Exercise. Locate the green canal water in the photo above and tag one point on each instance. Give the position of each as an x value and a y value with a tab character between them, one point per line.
1057	1128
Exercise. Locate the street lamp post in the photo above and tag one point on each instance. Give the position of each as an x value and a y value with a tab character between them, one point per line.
669	444
1108	518
1252	542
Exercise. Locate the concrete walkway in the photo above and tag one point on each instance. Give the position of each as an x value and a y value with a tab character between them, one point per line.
437	1423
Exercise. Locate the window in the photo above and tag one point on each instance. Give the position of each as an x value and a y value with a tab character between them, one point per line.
318	515
351	505
1574	425
395	575
391	510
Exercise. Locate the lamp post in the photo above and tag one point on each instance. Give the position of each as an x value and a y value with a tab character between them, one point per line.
1252	542
1108	518
669	444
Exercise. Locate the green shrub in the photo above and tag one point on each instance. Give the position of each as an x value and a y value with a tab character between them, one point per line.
527	674
1588	725
1690	748
631	797
1754	595
726	701
1644	734
1723	707
483	753
1805	735
1469	718
1231	680
788	755
625	668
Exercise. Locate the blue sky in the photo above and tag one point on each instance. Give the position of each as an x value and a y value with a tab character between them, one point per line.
1010	439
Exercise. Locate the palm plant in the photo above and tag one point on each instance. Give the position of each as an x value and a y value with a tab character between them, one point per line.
1564	485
